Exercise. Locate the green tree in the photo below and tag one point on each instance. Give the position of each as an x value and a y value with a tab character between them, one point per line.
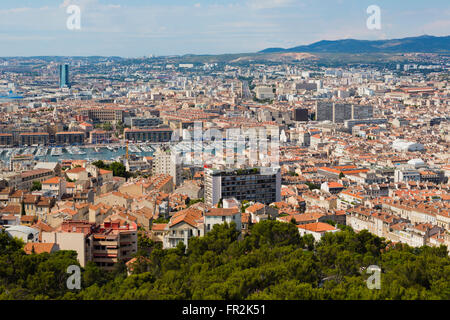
100	164
118	169
37	185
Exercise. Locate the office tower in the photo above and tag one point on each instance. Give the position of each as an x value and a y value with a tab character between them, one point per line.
306	86
324	111
361	112
339	112
64	76
300	114
253	184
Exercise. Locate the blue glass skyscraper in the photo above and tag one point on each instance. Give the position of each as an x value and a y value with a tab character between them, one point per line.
64	76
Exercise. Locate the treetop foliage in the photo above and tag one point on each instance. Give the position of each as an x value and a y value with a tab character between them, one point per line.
272	262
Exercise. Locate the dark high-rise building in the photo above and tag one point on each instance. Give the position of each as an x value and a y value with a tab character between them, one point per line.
300	114
339	112
64	76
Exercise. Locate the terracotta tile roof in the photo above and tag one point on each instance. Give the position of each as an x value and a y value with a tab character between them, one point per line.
28	218
222	211
303	217
334	184
39	247
30	198
256	207
159	226
54	180
41	226
12	209
190	216
317	227
76	170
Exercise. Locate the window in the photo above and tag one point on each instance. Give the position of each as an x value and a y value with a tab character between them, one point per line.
223	218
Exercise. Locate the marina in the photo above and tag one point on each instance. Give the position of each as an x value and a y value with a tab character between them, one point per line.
108	152
91	153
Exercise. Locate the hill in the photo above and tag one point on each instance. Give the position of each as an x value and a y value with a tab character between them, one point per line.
425	43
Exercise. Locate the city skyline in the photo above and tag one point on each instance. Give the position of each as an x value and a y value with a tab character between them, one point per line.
131	29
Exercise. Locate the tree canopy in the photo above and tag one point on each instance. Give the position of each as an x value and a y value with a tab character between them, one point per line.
117	168
272	262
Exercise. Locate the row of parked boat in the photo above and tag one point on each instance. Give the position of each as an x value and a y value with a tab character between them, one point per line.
58	151
40	151
74	150
147	148
134	149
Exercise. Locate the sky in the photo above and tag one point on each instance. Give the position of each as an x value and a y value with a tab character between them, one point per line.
136	28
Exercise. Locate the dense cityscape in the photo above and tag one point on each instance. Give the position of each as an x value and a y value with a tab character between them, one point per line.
113	158
314	172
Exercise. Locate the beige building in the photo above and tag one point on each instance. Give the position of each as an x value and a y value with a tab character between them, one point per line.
115	199
165	162
72	235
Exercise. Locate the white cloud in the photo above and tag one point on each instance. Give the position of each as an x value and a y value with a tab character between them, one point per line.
14	10
268	4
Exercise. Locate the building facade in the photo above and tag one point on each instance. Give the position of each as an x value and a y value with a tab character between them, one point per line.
148	135
255	184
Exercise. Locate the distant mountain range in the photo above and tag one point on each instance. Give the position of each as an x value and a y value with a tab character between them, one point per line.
425	43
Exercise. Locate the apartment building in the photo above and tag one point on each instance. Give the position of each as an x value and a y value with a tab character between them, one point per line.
6	139
114	241
165	162
74	137
73	235
33	138
109	114
106	244
150	135
254	184
378	223
99	136
25	179
56	186
136	122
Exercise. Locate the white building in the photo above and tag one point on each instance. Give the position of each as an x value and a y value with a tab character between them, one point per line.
405	175
263	93
220	215
26	234
402	145
316	229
